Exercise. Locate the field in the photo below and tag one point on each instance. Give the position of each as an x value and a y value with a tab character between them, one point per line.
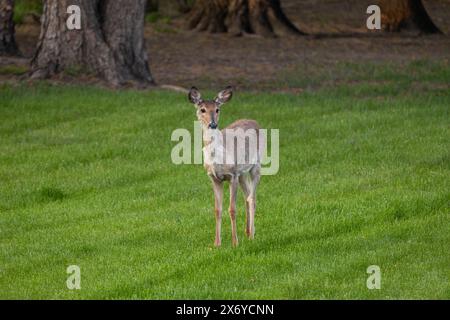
86	179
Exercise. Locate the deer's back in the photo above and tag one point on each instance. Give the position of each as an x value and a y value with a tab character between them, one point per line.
244	124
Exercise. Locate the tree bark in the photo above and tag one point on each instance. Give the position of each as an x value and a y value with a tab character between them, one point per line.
237	17
8	44
110	42
397	15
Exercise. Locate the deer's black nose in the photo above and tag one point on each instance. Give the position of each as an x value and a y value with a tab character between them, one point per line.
213	125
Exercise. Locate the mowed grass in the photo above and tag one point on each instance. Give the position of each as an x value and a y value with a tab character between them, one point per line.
86	179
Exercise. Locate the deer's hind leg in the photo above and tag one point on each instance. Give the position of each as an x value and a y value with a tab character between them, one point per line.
244	181
255	176
233	194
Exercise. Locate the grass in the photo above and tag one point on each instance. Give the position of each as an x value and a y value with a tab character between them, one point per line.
25	7
86	179
154	17
311	75
11	69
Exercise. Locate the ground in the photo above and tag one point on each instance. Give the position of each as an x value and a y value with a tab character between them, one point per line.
184	58
87	180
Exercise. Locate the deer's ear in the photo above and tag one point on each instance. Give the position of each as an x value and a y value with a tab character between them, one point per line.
194	96
224	96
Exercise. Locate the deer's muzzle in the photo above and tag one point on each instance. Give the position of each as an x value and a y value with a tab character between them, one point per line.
212	124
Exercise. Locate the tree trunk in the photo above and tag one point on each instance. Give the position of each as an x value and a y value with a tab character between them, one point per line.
7	38
110	42
237	17
397	15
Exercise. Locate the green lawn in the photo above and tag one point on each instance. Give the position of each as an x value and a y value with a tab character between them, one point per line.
86	179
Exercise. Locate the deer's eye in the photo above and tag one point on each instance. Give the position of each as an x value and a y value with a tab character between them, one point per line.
203	110
217	110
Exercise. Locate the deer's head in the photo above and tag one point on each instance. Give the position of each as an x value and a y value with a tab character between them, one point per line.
208	111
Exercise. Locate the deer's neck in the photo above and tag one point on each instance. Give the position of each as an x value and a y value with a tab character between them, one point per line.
212	137
213	150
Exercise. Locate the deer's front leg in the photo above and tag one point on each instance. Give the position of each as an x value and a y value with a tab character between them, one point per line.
233	193
218	199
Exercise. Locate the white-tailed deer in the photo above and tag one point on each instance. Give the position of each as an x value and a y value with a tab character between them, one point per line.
243	160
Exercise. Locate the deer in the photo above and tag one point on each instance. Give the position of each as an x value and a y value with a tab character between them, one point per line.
245	174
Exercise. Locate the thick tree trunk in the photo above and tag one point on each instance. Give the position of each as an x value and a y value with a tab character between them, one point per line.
400	15
262	17
110	42
7	38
